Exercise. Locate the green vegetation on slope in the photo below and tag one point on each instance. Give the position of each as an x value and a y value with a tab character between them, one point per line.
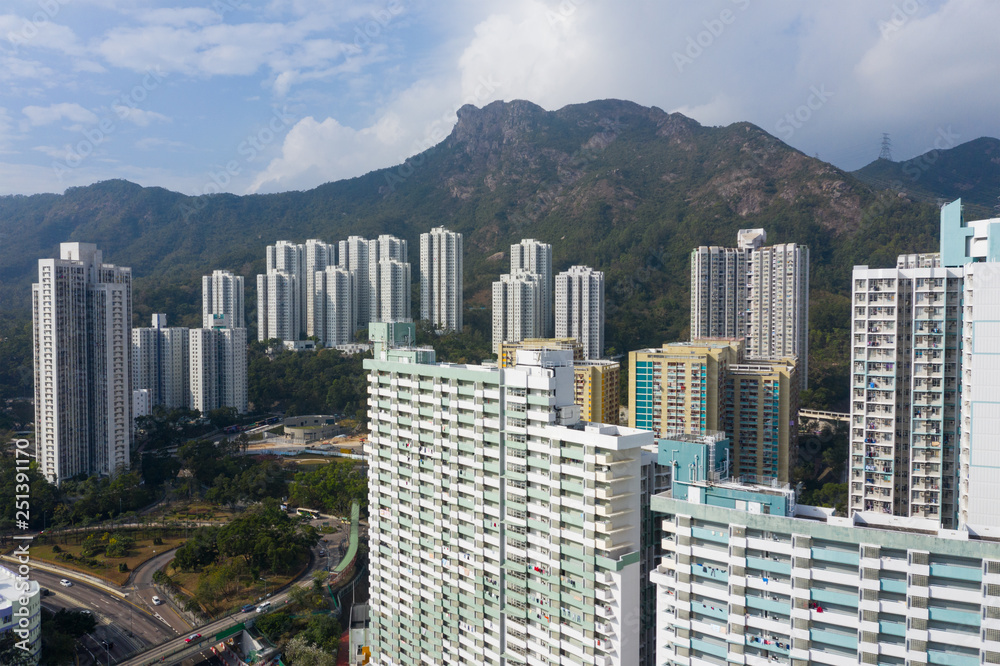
627	189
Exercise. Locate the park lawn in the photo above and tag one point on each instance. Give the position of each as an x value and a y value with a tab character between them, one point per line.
245	592
108	566
194	510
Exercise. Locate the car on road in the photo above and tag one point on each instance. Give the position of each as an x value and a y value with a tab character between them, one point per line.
157	601
263	607
192	637
322	551
247	608
85	611
66	583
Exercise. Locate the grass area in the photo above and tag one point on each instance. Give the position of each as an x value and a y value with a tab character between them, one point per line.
246	590
193	510
107	567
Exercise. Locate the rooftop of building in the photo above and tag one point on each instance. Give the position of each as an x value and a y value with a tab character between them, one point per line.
692	346
9	588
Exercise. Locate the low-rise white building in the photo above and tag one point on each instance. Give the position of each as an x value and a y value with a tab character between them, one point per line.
20	611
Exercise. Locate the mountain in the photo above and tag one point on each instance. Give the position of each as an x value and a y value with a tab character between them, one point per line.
624	188
970	171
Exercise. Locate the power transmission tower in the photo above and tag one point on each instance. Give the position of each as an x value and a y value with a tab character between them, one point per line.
886	153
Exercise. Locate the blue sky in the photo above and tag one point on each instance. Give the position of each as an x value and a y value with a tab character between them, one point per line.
246	96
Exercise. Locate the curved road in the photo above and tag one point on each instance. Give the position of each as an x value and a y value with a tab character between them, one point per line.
208	631
128	627
142	591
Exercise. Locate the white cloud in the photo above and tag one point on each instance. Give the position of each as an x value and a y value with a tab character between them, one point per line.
178	16
88	66
139	117
153	143
19	68
46	115
30	32
372	105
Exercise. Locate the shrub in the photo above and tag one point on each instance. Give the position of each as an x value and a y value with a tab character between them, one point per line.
56	549
157	541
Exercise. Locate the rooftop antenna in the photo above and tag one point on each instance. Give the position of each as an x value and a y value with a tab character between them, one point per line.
886	153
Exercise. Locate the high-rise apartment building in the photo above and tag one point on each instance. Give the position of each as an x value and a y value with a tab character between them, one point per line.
922	380
719	287
595	383
316	257
160	363
277	315
475	557
222	294
681	387
579	309
709	386
749	576
295	304
218	367
596	390
392	297
754	292
507	357
82	331
335	301
761	419
441	278
654	479
778	304
978	487
905	382
389	278
517	303
353	256
287	258
533	256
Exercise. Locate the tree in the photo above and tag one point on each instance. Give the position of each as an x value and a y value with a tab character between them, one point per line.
323	631
332	487
60	632
11	654
158	468
199	551
274	625
266	538
300	652
223	417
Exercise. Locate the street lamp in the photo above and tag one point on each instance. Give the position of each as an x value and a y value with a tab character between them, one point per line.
265	586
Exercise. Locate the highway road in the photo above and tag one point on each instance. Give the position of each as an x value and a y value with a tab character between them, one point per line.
127	627
208	631
142	592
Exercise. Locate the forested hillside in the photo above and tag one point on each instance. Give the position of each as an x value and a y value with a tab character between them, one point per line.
624	188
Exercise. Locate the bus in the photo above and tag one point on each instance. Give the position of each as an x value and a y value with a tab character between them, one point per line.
308	513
